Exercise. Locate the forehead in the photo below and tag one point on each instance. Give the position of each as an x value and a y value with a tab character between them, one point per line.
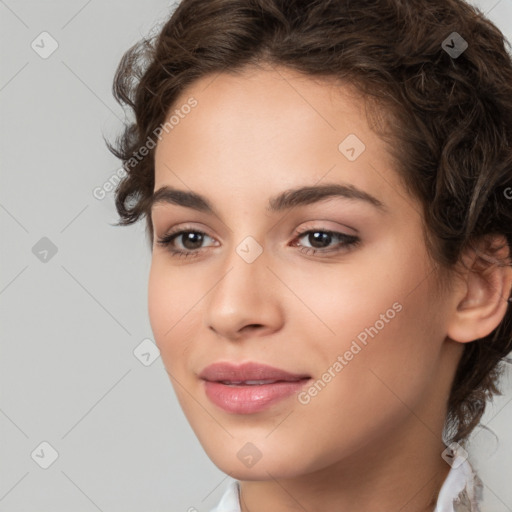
270	129
273	99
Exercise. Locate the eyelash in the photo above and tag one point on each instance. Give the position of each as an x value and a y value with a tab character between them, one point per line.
347	242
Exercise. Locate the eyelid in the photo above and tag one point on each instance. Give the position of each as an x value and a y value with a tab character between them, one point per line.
186	227
319	224
310	225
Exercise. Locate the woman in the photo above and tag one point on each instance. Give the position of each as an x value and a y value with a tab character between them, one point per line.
327	191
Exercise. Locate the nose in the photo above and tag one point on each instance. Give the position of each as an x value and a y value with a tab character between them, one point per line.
245	301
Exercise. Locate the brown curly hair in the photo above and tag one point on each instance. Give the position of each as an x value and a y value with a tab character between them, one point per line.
446	118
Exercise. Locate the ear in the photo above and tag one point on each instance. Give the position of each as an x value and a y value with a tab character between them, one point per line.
482	297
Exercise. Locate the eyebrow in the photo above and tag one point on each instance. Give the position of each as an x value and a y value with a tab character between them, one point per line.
291	198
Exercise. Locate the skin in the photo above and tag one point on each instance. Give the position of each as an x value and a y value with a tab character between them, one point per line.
378	423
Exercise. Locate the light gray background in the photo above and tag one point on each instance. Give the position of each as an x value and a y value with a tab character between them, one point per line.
70	325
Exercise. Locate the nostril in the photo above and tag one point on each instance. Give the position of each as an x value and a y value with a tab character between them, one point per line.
253	326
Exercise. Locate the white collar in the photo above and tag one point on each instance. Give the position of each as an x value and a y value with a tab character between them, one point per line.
461	492
462	489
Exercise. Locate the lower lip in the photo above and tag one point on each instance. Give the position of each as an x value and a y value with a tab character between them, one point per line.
250	399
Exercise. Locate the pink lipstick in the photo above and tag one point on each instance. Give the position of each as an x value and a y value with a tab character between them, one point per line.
250	387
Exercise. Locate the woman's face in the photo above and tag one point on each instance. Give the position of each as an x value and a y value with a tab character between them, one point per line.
359	321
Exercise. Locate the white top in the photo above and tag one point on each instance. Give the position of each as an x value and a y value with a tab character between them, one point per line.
462	487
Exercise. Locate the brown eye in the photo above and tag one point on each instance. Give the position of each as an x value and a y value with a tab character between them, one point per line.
321	239
191	241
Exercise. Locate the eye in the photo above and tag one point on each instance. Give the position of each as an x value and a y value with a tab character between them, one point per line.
192	241
321	239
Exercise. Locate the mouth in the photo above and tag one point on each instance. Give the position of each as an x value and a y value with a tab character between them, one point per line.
250	387
255	382
249	373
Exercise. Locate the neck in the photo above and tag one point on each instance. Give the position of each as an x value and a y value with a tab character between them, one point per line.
405	473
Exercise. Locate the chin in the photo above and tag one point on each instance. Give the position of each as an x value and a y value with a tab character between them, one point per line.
243	461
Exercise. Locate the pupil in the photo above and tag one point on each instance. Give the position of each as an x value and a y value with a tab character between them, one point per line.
189	237
316	239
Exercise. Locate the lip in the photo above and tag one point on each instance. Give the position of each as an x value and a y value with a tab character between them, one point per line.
224	371
225	386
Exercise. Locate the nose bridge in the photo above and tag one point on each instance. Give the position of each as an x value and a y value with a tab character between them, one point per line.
244	272
246	256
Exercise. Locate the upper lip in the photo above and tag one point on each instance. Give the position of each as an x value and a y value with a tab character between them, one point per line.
227	372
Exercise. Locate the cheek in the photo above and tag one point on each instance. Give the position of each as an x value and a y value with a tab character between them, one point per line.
378	382
383	321
361	299
392	364
171	310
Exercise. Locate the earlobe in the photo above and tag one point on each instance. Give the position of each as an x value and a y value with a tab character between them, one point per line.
481	301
